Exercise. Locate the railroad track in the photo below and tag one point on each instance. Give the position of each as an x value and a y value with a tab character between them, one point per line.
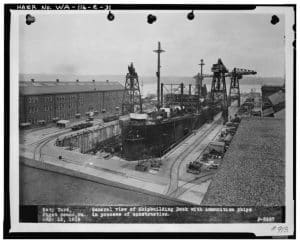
40	144
182	189
46	136
174	171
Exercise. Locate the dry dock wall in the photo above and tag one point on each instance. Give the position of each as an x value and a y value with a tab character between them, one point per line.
52	167
87	139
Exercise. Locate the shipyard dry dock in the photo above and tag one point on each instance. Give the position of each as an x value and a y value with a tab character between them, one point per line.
257	147
171	181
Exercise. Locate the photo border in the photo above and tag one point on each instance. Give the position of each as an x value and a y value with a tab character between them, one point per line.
122	235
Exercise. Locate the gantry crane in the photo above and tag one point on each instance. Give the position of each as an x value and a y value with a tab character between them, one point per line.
234	92
218	86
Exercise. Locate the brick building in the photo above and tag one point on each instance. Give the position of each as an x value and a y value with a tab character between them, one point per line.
63	100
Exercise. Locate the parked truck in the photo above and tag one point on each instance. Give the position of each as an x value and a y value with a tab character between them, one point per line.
194	167
142	165
110	118
90	116
82	126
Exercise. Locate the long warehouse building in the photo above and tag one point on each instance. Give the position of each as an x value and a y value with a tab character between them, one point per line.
48	101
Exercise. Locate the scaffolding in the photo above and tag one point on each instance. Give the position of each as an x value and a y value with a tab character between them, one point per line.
132	101
178	96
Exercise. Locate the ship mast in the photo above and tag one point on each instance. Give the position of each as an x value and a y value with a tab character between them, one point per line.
201	78
199	83
158	51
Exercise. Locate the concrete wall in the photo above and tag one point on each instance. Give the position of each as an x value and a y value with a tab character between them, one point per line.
87	139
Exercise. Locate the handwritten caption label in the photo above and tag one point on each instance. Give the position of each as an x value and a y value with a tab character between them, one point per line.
63	7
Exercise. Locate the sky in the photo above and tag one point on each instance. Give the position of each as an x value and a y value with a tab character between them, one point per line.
89	44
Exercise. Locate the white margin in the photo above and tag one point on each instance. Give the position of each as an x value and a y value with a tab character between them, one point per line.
256	228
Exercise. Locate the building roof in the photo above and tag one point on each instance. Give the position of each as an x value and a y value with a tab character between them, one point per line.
268	111
63	121
53	87
277	98
253	169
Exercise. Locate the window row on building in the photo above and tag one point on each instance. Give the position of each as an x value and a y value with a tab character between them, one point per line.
33	108
49	99
33	99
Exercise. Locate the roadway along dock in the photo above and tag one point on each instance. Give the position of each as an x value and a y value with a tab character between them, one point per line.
118	171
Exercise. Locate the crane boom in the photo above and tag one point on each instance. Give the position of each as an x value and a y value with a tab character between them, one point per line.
236	74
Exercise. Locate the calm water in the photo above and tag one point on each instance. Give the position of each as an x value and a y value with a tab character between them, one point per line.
148	83
151	88
247	84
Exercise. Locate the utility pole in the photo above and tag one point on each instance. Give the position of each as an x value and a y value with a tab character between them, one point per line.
158	51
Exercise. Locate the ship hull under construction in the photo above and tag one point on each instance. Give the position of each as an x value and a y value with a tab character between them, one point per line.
141	140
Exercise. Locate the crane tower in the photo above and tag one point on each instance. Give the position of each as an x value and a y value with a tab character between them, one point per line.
132	101
218	86
234	91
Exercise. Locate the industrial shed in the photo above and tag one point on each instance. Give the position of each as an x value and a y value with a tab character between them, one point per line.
253	169
277	100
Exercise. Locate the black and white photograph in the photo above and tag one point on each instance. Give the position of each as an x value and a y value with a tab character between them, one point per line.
161	115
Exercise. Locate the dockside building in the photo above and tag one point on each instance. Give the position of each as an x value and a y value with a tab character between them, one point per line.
56	100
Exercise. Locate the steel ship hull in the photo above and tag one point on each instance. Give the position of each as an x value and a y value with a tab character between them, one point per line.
141	140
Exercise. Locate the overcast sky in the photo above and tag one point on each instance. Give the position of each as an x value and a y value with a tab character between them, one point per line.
88	44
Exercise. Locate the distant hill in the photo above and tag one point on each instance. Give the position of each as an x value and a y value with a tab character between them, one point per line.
249	80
